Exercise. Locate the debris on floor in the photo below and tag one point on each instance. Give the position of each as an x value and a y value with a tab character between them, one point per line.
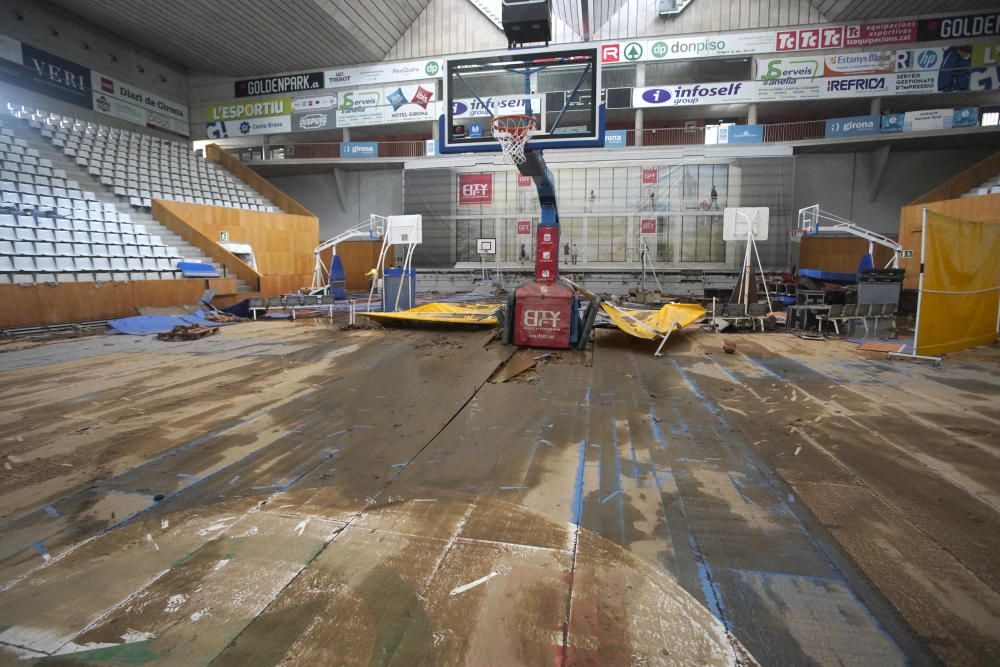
187	332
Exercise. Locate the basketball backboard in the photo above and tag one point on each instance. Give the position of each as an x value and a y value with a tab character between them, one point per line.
404	229
737	223
559	88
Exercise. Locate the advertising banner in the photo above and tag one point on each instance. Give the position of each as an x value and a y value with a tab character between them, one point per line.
615	138
854	126
46	74
524	181
745	134
378	106
278	85
222	129
650	176
360	107
494	106
647	226
125	101
730	92
959	27
835	37
475	189
684	48
966	117
300	104
358	149
892	122
278	106
851	64
311	121
380	73
928	119
524	227
983	55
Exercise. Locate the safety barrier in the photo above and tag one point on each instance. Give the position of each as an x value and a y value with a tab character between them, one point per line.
647	138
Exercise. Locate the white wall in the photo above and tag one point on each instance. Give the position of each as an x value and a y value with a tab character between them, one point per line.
360	194
841	183
86	44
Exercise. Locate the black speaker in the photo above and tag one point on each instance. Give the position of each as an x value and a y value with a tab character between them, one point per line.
527	21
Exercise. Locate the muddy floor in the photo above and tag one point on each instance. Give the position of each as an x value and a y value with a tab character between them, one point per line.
295	493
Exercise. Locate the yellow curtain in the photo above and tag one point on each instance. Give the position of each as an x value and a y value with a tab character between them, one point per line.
961	290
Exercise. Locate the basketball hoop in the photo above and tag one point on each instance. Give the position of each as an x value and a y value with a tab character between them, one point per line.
513	133
795	235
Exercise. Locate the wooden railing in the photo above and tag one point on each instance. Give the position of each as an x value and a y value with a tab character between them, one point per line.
958	185
255	180
164	214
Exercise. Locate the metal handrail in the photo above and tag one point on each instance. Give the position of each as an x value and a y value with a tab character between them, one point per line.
646	138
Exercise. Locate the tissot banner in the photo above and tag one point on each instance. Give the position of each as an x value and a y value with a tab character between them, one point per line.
382	73
279	85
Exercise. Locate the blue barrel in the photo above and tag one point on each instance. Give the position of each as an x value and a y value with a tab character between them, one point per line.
394	282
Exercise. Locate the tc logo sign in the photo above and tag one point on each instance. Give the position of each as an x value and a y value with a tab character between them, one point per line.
475	188
541	319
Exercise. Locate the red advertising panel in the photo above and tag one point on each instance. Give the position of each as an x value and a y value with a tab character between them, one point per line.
648	226
547	254
475	188
523	181
610	53
543	315
524	227
834	37
650	176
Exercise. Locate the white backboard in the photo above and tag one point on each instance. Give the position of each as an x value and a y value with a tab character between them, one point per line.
737	222
404	229
486	246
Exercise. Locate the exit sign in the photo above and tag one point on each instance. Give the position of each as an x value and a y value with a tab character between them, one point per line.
906	254
223	237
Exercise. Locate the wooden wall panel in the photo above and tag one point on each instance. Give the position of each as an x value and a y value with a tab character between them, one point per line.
255	181
838	254
982	208
359	257
283	243
34	305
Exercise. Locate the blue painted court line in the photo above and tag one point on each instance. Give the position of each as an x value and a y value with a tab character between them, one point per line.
51	511
759	366
725	370
576	511
618	479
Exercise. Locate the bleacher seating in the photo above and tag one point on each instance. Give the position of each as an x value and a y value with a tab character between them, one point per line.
53	229
140	167
990	187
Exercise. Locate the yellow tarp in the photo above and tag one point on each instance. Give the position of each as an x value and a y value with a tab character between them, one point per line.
958	305
475	314
651	324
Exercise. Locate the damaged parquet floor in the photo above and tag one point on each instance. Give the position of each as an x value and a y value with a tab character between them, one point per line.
289	493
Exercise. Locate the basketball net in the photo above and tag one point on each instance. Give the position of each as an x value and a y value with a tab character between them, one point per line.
513	133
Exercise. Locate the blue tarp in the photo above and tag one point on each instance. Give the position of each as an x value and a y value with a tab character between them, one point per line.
828	276
198	270
143	325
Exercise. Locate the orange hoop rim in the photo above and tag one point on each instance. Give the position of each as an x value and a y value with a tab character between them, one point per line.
517	129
